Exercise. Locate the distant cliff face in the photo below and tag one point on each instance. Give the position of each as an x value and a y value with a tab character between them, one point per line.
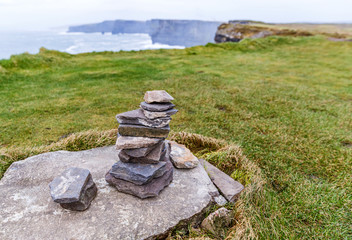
172	32
106	26
123	26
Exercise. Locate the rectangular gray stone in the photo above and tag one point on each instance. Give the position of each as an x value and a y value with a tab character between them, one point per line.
229	188
156	115
142	131
153	157
157	96
67	187
157	107
137	117
74	189
127	142
137	173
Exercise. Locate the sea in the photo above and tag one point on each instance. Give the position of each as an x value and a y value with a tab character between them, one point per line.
16	42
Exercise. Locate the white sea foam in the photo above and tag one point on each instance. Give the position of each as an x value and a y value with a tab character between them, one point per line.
19	42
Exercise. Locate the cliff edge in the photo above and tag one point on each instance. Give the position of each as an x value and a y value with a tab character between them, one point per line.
235	31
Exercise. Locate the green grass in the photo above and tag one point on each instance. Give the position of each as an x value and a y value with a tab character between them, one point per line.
286	101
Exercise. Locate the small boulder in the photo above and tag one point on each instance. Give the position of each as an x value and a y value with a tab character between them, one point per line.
182	157
74	189
217	222
157	96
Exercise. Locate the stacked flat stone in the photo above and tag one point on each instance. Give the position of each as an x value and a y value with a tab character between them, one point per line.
144	167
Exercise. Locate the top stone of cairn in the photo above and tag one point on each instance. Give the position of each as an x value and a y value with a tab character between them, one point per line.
157	96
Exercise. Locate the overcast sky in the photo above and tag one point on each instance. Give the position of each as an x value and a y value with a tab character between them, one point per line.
46	14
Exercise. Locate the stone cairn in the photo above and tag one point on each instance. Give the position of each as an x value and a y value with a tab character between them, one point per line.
144	168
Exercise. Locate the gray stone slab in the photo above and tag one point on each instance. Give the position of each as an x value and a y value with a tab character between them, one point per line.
87	196
127	142
68	186
151	189
28	212
156	155
220	200
74	189
137	117
142	131
156	115
140	152
157	96
182	157
229	188
137	173
157	107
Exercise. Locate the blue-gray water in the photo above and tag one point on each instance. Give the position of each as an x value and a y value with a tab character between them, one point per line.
20	42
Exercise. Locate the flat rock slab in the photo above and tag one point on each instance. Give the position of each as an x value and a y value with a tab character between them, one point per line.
137	173
156	115
229	188
142	152
157	96
137	117
28	212
157	107
156	155
126	142
142	131
182	157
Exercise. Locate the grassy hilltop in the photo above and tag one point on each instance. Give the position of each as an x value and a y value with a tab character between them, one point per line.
286	101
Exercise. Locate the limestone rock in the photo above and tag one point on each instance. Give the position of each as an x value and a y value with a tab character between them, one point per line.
220	200
137	117
235	31
229	188
156	155
137	173
142	131
156	115
157	107
74	189
157	96
182	157
139	152
125	142
28	212
151	189
217	221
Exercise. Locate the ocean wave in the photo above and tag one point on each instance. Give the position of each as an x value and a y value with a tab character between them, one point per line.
74	43
162	46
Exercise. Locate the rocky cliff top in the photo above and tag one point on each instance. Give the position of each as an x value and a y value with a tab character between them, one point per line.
235	31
